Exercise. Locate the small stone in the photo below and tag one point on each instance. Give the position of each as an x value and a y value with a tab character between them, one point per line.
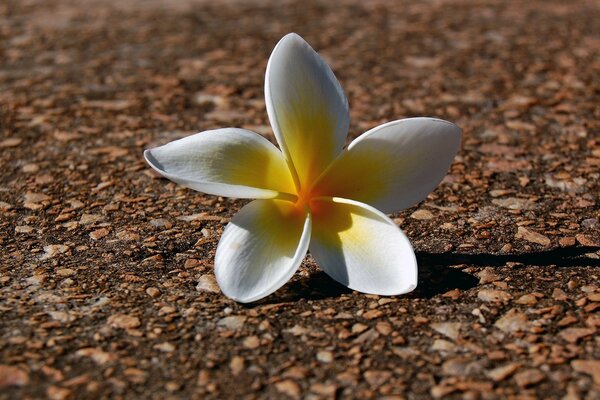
585	240
172	386
372	314
487	275
30	168
123	321
99	233
24	229
501	373
236	365
165	347
559	294
449	329
325	356
589	367
153	292
493	295
88	219
232	322
289	388
529	377
54	249
4	206
377	378
567	241
573	335
98	355
532	236
161	223
513	321
251	342
422	215
65	272
207	283
324	390
12	376
443	345
10	142
590	223
57	393
359	328
514	203
527	299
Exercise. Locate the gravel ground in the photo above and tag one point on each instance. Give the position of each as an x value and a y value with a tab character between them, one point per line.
106	271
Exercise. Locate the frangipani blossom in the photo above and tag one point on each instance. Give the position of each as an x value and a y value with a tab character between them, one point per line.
313	194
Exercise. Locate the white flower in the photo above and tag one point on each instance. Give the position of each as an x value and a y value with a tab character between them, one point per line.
313	194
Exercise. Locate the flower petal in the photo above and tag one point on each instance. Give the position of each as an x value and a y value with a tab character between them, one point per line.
361	248
307	107
225	162
261	248
395	165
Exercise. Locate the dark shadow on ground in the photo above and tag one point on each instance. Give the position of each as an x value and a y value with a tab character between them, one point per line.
436	273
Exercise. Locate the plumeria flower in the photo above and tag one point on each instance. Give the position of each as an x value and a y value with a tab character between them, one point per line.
312	193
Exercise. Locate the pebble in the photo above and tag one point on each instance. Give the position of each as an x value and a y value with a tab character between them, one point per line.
88	219
11	142
98	355
514	203
251	342
513	321
53	250
589	367
153	292
232	322
123	321
501	373
422	215
289	388
586	240
527	299
99	233
377	378
443	345
58	393
493	295
573	335
207	283
449	329
529	377
487	275
325	356
12	376
236	365
532	236
165	347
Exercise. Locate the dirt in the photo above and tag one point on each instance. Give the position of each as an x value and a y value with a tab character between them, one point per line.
106	270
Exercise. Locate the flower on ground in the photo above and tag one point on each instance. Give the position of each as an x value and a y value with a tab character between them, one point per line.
313	194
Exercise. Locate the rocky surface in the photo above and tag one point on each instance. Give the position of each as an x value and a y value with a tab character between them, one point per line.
106	271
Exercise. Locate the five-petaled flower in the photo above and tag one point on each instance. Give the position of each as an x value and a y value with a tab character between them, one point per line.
314	193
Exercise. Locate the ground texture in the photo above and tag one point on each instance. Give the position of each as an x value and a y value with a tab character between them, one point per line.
106	271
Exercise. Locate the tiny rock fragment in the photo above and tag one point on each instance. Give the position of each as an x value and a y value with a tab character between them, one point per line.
377	378
54	249
289	388
372	314
66	272
529	377
532	236
449	329
514	203
493	295
513	321
165	347
99	233
251	342
559	294
232	322
12	376
207	283
58	393
573	335
323	389
586	240
325	356
123	321
88	219
153	292
487	275
527	299
567	241
443	345
236	365
589	367
4	206
98	355
501	373
422	215
10	142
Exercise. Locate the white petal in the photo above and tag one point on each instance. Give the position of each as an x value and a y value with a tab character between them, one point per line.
225	162
261	249
395	165
361	248
307	107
